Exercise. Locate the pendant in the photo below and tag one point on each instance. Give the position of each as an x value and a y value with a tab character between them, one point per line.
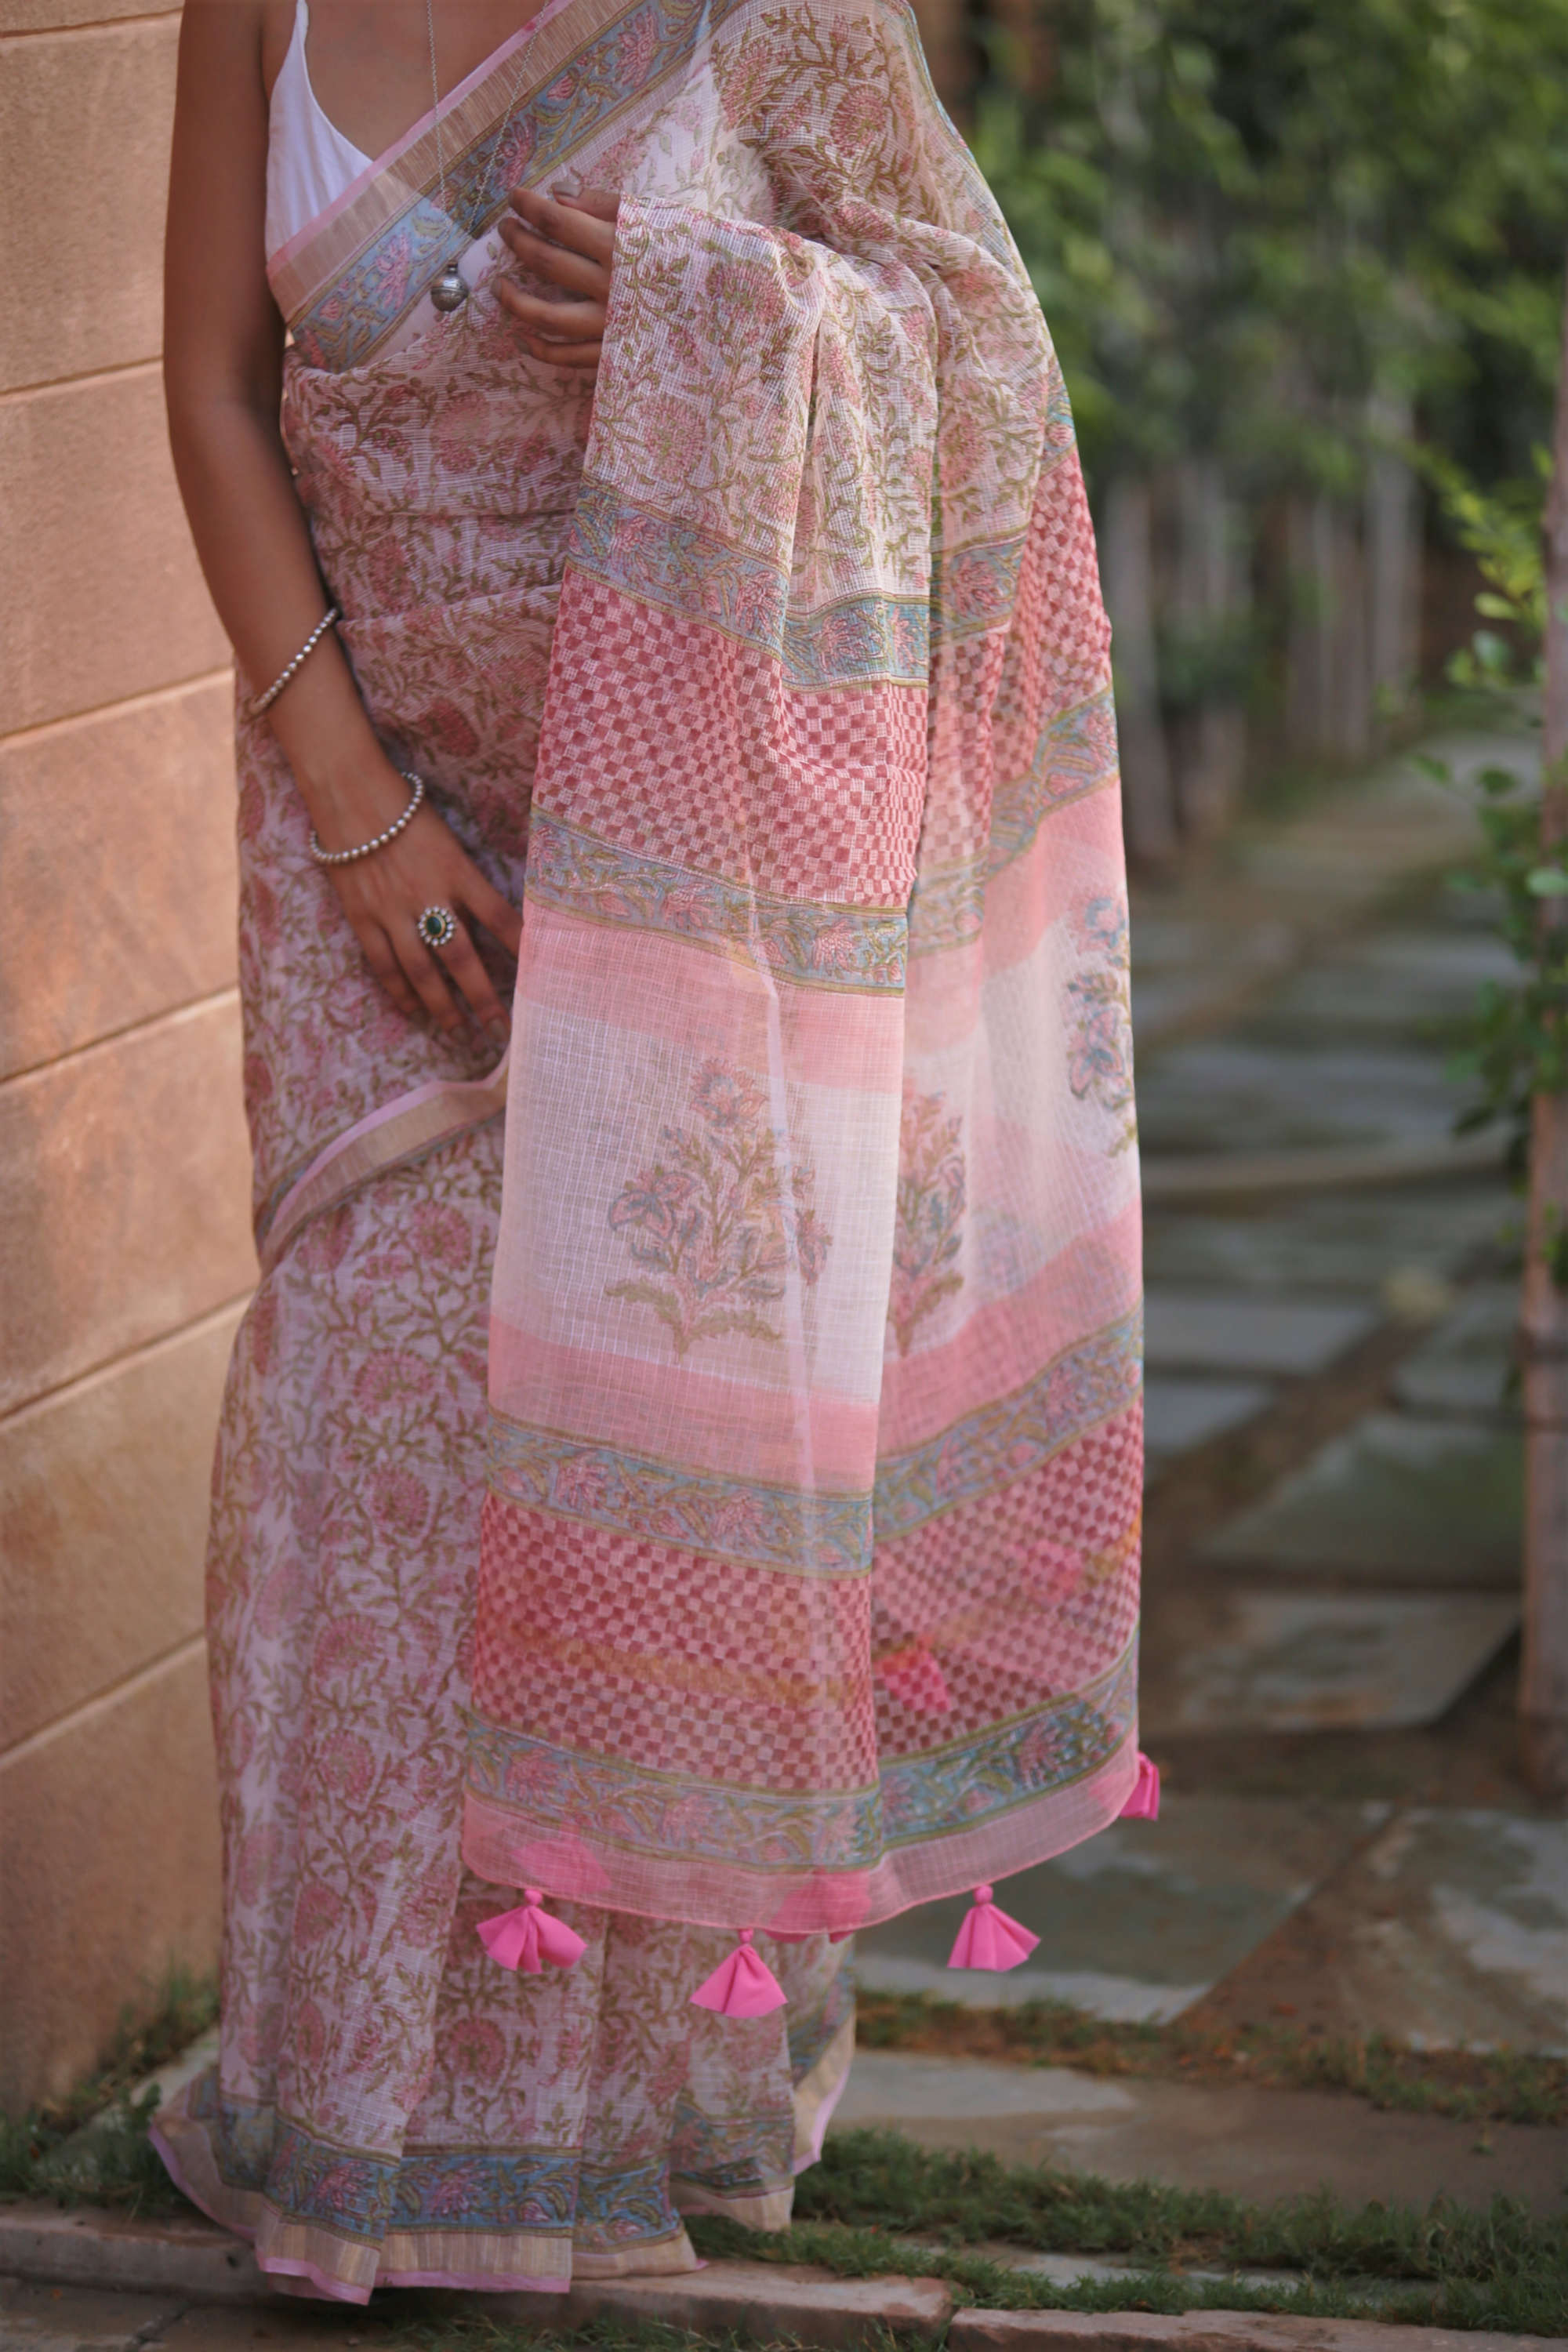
450	290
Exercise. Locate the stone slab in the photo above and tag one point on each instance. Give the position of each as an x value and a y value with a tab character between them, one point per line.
1451	1928
38	2318
1214	2331
176	2254
1393	983
1235	1094
101	595
1341	1662
195	2260
283	2324
1398	1499
1356	1243
1246	2141
1139	1921
768	2301
1465	1367
1198	1330
1181	1413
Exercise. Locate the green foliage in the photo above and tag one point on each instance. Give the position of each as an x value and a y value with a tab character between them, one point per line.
1242	223
1282	244
91	2147
1516	1045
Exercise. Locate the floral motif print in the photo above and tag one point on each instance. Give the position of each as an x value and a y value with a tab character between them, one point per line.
928	1231
387	2100
1100	1069
713	1221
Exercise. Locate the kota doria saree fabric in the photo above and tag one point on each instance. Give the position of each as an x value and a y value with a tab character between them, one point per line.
809	1571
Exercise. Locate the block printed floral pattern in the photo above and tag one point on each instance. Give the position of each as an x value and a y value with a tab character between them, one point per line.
928	1234
1100	1069
719	1220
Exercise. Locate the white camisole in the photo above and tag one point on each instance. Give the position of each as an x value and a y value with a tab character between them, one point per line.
309	160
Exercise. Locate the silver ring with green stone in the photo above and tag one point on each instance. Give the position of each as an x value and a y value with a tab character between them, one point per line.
438	927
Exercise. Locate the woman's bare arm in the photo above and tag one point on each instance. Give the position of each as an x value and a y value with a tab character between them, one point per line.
223	348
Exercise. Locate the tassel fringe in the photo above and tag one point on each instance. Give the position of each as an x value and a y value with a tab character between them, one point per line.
529	1936
1144	1804
987	1939
741	1986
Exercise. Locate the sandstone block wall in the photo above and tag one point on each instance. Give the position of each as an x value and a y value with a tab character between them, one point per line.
124	1249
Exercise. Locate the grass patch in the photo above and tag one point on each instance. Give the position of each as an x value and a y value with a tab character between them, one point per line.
1476	2086
874	2192
50	2151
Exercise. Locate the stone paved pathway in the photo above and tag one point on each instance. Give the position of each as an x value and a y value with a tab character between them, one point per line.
1331	1593
1332	1569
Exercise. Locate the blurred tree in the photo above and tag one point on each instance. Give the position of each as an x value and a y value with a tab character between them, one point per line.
1275	246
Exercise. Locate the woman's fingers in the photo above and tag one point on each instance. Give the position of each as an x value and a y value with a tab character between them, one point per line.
378	949
422	968
568	323
500	917
574	272
459	960
572	225
598	201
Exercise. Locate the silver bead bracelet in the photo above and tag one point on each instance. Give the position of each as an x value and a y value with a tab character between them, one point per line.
346	856
260	703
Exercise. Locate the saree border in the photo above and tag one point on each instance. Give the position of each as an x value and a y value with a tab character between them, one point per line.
756	1524
937	1802
370	266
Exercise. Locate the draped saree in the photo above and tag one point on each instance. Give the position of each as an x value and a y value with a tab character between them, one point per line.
769	672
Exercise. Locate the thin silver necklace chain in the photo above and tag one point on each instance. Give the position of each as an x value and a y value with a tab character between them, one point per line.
475	211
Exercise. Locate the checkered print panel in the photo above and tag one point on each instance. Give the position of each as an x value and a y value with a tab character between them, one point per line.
674	743
669	1660
1028	1594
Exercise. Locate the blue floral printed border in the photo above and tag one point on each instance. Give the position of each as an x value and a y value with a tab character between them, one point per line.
947	1791
650	1501
357	2194
851	950
389	274
1004	1440
678	566
659	1502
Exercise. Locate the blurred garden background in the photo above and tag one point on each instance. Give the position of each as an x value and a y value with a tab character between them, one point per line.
1303	264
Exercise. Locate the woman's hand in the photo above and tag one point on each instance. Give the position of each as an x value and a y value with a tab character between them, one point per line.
570	242
383	896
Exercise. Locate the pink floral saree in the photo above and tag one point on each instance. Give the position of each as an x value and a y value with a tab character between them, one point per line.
795	1578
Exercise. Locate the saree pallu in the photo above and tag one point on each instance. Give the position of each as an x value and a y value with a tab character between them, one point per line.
809	1578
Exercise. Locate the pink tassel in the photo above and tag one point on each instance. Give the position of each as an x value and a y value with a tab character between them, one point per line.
1144	1804
525	1938
741	1986
987	1939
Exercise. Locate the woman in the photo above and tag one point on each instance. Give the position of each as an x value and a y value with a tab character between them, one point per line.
670	570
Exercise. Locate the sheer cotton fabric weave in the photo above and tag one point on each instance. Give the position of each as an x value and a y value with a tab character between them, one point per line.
809	1577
